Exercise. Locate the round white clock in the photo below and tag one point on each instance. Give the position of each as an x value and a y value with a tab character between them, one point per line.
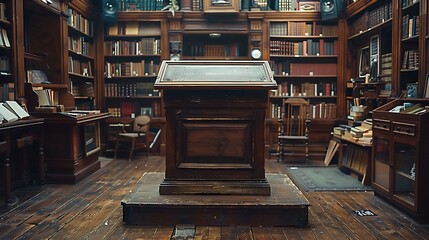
256	53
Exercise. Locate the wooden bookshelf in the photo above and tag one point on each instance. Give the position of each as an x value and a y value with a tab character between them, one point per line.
7	54
133	51
304	58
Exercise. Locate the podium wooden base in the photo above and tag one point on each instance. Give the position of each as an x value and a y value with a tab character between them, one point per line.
286	206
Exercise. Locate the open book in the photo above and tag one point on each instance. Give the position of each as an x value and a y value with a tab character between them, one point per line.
12	111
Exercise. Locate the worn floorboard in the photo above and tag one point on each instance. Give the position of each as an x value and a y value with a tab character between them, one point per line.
91	209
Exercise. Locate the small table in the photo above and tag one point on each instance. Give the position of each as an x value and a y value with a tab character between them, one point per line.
355	156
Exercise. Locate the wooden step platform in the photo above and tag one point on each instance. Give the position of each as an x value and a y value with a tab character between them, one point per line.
286	206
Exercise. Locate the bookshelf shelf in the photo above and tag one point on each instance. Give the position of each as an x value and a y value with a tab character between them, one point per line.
370	31
304	56
81	56
132	97
307	97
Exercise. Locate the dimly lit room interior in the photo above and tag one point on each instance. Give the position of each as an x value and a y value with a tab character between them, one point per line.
214	119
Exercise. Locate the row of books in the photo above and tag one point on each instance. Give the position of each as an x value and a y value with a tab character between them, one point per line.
7	91
305	89
386	64
80	67
372	18
4	65
406	3
140	5
211	49
320	110
77	21
79	45
284	5
131	69
303	69
132	109
410	26
134	28
3	12
4	39
85	89
304	48
140	89
410	59
294	28
148	45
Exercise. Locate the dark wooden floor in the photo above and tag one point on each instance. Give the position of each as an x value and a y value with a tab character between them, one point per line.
91	209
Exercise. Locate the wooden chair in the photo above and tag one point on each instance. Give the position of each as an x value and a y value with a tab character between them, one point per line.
136	138
293	129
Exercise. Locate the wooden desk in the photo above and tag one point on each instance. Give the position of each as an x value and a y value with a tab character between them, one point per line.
356	157
14	137
72	146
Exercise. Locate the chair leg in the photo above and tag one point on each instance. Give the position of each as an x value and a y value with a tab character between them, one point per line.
133	143
147	147
116	147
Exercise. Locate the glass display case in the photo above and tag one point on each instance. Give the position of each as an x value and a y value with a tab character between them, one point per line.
400	153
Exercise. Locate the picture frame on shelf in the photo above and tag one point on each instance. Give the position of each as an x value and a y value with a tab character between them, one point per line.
426	89
148	111
224	6
411	90
364	62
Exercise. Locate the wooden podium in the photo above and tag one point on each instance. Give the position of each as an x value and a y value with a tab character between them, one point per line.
215	119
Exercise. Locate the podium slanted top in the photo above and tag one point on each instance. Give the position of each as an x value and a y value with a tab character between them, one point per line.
215	75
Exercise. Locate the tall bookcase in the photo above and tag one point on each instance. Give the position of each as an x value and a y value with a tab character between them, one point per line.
81	52
133	51
304	56
409	17
370	51
7	53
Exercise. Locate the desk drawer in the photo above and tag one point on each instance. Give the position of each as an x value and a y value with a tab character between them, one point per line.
381	124
408	129
24	141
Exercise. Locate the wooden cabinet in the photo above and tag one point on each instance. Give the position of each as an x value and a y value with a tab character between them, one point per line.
399	155
21	155
72	145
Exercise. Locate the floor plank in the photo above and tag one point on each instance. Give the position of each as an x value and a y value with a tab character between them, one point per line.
91	209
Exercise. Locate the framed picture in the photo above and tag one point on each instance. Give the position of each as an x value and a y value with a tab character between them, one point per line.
146	111
364	62
426	90
223	6
411	90
309	6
